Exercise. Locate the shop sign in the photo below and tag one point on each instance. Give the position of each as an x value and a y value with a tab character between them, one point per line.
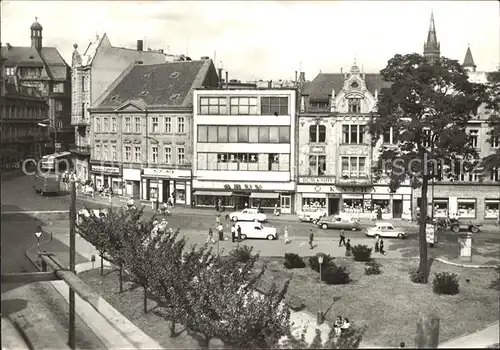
317	180
105	169
167	172
317	149
242	187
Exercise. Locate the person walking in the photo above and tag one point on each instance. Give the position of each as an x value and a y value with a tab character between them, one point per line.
238	230
219	205
220	228
311	239
348	248
275	210
287	239
342	238
377	245
217	219
381	249
210	236
233	232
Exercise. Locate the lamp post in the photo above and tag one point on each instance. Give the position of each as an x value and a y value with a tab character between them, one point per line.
44	124
320	317
157	171
38	234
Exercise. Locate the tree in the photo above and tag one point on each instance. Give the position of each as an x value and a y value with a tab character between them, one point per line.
492	162
427	107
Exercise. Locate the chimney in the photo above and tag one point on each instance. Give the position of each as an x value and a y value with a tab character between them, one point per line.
270	84
140	45
302	76
295	76
227	81
219	85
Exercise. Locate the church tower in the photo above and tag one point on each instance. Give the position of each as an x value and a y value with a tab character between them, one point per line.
469	64
431	46
36	35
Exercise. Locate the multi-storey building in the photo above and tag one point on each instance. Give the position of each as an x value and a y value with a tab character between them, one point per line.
45	69
22	108
141	130
93	72
244	148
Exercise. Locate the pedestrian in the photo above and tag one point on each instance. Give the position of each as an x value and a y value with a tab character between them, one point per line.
220	228
342	238
238	230
233	233
246	205
275	211
348	248
402	344
259	209
381	249
217	219
337	326
287	239
219	205
210	235
311	239
376	245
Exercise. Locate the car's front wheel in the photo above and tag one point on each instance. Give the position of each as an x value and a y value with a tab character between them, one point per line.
324	226
234	218
377	236
314	221
474	229
270	237
243	236
400	236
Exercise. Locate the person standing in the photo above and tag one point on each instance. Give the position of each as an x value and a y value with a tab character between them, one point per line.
239	233
233	233
381	249
342	238
287	239
220	228
311	239
217	219
210	235
348	248
219	205
275	211
376	245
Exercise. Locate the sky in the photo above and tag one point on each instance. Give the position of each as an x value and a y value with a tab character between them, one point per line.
266	39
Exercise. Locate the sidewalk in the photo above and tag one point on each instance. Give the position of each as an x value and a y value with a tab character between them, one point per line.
482	339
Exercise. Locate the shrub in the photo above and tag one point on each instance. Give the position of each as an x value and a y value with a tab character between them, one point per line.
314	264
333	274
372	268
242	254
416	276
445	283
361	252
293	261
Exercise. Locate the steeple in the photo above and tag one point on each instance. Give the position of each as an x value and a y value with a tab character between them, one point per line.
36	35
432	46
469	61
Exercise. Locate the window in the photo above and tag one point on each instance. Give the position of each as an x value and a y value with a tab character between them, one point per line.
317	133
389	137
127	124
105	152
202	133
233	134
106	124
317	165
474	137
154	125
168	124
284	134
137	154
354	105
354	167
318	104
59	88
253	134
113	124
243	134
222	159
180	155
154	154
495	174
273	162
168	154
274	134
10	70
354	134
83	110
495	142
128	153
274	106
59	106
113	152
212	133
466	208
492	207
201	163
137	128
222	136
243	105
180	125
213	105
97	151
264	134
97	125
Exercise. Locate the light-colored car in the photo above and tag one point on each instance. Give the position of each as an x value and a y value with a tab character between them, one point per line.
338	222
256	230
311	216
386	229
249	214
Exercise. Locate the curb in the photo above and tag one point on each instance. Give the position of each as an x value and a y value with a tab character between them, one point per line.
444	344
36	215
444	261
16	339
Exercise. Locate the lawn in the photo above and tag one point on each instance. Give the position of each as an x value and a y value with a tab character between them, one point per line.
389	304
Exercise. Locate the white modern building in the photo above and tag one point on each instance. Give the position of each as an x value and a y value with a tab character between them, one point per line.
244	148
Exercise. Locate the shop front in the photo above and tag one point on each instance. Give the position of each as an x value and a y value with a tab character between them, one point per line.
104	176
167	183
239	195
132	182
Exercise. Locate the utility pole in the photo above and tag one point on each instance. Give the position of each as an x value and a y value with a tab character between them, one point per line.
72	256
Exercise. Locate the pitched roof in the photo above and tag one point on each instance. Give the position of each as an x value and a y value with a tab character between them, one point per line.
168	84
468	60
321	87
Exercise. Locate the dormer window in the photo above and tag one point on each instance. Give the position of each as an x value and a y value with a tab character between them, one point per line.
319	104
354	105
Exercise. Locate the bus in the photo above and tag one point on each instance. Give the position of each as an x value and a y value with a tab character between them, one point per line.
57	162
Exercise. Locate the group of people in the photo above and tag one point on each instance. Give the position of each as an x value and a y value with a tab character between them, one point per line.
235	231
379	244
341	326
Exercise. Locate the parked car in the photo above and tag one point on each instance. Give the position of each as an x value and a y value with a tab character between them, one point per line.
257	230
249	214
456	225
338	222
386	229
311	216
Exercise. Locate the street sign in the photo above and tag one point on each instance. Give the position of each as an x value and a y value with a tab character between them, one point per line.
38	234
58	145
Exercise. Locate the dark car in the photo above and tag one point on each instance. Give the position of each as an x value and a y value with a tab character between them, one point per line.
338	222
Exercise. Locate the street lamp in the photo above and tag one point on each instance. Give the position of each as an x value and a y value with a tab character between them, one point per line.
320	317
38	234
157	171
44	124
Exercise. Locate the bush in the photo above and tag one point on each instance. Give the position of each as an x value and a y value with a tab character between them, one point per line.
372	268
445	283
361	253
242	254
314	264
416	276
333	274
293	261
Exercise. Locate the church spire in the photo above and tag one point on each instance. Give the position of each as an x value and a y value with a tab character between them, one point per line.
432	46
469	61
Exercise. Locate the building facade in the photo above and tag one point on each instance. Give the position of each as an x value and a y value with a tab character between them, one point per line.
141	130
44	68
244	153
92	73
22	108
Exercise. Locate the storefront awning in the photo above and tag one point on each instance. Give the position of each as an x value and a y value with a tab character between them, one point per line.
213	193
264	195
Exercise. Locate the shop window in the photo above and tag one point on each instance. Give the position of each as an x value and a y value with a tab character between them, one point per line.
466	208
253	134
267	203
128	153
274	105
317	165
313	204
180	193
168	125
201	162
317	133
222	136
383	204
213	105
212	134
243	105
137	125
264	134
243	134
353	134
211	201
202	133
440	207
492	207
352	205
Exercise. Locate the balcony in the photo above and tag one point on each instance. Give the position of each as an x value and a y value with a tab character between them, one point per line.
77	120
82	150
356	180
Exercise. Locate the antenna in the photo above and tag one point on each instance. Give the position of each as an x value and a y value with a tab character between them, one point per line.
187	45
215	58
300	66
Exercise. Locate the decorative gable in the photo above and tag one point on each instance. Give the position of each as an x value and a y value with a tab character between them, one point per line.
132	106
